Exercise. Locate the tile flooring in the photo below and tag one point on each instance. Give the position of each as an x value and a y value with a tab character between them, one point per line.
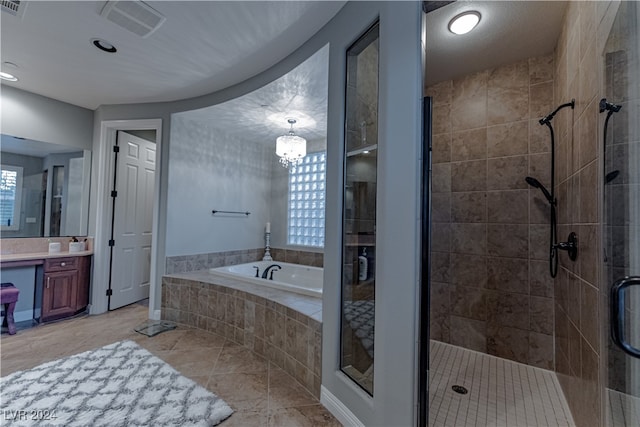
261	393
623	410
500	392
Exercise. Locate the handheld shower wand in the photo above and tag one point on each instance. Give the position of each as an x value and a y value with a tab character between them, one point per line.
536	184
571	246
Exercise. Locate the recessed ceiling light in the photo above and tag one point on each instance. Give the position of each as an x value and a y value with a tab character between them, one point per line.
8	77
104	45
464	22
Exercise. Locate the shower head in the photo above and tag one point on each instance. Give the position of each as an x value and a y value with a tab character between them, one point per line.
546	120
608	106
536	184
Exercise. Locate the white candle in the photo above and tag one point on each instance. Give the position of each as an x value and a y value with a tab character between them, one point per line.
268	228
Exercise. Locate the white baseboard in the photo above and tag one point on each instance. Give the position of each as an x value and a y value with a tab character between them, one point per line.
338	409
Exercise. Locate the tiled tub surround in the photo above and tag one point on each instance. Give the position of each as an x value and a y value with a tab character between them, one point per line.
491	290
283	327
187	263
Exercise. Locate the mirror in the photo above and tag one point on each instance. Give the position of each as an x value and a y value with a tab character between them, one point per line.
359	215
44	189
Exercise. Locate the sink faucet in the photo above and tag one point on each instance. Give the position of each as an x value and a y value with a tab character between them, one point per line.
266	271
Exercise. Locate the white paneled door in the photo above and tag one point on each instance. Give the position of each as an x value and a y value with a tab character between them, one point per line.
132	221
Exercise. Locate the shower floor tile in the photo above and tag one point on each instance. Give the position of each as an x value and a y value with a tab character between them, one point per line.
623	410
500	392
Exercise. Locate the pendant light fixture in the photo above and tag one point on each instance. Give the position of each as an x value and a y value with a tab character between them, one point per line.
290	147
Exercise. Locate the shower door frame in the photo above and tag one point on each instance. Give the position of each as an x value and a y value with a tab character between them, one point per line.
425	267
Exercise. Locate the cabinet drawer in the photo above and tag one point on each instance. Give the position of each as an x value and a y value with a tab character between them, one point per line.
61	264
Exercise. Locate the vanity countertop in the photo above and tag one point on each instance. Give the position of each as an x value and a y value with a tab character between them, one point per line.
40	255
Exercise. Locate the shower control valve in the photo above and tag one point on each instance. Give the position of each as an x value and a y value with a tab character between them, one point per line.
571	246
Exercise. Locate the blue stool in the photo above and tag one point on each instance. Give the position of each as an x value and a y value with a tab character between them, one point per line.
9	298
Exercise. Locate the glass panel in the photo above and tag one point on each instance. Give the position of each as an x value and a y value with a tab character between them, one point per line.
306	184
359	228
622	207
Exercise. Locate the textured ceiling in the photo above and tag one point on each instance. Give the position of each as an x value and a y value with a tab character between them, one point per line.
202	47
508	32
208	45
261	115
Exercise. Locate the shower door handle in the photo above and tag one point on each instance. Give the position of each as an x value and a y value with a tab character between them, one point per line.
618	314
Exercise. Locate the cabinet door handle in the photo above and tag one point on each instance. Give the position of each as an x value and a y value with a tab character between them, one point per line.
48	281
63	264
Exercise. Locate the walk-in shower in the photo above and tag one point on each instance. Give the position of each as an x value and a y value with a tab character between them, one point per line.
517	166
571	245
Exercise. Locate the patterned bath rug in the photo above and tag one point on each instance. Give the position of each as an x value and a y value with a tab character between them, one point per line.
120	384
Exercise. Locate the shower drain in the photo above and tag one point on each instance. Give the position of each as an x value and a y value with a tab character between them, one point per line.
459	389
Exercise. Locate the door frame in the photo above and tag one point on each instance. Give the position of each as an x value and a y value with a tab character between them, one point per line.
119	163
104	202
394	400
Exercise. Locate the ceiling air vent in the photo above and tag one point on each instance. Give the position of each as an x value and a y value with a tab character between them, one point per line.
135	16
13	7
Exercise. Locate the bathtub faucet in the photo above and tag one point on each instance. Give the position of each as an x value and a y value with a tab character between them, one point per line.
266	271
257	270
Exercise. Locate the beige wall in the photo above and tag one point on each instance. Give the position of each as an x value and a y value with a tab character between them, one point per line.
491	290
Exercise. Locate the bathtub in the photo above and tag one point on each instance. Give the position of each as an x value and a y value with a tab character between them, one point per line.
296	278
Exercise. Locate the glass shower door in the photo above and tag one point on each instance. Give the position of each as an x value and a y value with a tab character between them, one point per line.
620	110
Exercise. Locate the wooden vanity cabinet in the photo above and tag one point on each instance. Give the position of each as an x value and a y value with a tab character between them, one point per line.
66	286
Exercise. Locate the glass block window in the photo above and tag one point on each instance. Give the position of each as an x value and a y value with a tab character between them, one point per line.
10	192
306	201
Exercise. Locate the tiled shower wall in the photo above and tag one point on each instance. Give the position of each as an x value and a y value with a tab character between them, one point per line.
491	290
579	290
